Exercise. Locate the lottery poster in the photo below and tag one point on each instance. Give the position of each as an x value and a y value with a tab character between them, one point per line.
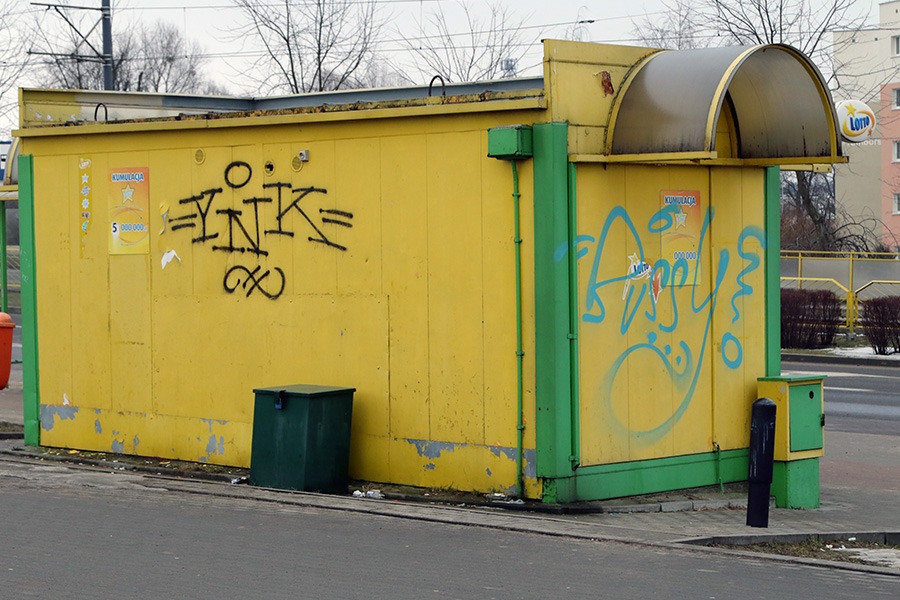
129	218
680	240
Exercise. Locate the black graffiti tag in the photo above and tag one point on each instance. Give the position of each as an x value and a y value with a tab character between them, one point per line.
202	211
252	277
238	165
238	235
234	218
298	195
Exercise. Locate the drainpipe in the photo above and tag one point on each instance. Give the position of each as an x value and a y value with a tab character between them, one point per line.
520	353
574	383
513	143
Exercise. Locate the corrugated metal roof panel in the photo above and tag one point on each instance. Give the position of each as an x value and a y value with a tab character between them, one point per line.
672	104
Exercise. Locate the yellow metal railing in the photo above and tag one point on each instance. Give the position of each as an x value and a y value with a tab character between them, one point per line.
850	321
850	293
847	254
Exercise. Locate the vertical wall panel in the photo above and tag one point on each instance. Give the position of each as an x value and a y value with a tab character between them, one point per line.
454	286
405	259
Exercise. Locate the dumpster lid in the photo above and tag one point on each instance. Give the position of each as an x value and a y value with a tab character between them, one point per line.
300	389
780	104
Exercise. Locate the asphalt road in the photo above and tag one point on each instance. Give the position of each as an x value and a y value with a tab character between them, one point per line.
72	534
858	398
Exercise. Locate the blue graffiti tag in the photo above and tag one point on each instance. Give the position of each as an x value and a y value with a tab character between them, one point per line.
647	285
753	263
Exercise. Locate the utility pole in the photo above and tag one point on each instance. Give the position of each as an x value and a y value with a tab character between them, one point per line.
106	12
106	56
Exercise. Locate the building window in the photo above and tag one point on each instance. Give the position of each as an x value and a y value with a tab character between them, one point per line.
896	203
896	97
896	151
895	45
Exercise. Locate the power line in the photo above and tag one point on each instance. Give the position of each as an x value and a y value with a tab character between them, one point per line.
263	4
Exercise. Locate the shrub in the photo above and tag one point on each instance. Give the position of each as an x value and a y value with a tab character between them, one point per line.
809	318
881	322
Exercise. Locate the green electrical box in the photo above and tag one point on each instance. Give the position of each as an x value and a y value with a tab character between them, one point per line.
301	438
799	437
800	414
806	417
511	142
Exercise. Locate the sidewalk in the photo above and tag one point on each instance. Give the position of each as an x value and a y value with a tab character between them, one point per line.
860	485
11	404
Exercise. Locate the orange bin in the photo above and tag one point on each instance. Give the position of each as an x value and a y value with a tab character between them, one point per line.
6	338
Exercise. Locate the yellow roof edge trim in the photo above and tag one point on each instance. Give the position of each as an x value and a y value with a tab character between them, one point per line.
643	158
232	120
801	163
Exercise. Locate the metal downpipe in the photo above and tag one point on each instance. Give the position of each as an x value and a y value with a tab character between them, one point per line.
574	383
520	354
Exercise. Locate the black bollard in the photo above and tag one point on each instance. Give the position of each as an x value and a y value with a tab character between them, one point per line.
762	454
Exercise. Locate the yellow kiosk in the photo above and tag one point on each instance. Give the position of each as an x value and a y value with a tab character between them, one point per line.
562	287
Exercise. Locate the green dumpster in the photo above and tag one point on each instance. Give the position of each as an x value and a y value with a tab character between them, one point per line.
301	438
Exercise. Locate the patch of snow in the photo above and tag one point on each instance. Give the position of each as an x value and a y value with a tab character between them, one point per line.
861	352
886	557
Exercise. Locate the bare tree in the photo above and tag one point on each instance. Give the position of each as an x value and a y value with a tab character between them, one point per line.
809	212
167	62
146	58
680	30
487	48
578	31
805	24
311	45
12	61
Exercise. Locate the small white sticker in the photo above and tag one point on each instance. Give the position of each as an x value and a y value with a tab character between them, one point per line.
168	256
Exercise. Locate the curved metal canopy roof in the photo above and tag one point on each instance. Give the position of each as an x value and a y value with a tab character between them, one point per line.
780	106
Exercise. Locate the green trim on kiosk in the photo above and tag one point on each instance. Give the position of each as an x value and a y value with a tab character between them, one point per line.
649	476
27	265
553	392
773	270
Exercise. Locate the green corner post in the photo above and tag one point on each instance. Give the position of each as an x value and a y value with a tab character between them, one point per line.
553	361
795	483
773	271
30	379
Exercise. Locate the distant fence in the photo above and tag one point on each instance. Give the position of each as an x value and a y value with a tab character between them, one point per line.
11	292
854	276
9	250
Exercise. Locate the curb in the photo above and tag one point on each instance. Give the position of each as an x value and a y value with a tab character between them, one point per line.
509	505
839	360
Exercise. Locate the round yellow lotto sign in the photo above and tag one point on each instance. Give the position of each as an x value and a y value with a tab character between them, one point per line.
855	120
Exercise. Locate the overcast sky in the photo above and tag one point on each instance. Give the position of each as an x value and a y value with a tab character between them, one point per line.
210	22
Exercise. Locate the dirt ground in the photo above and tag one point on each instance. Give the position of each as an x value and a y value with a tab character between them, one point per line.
849	550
